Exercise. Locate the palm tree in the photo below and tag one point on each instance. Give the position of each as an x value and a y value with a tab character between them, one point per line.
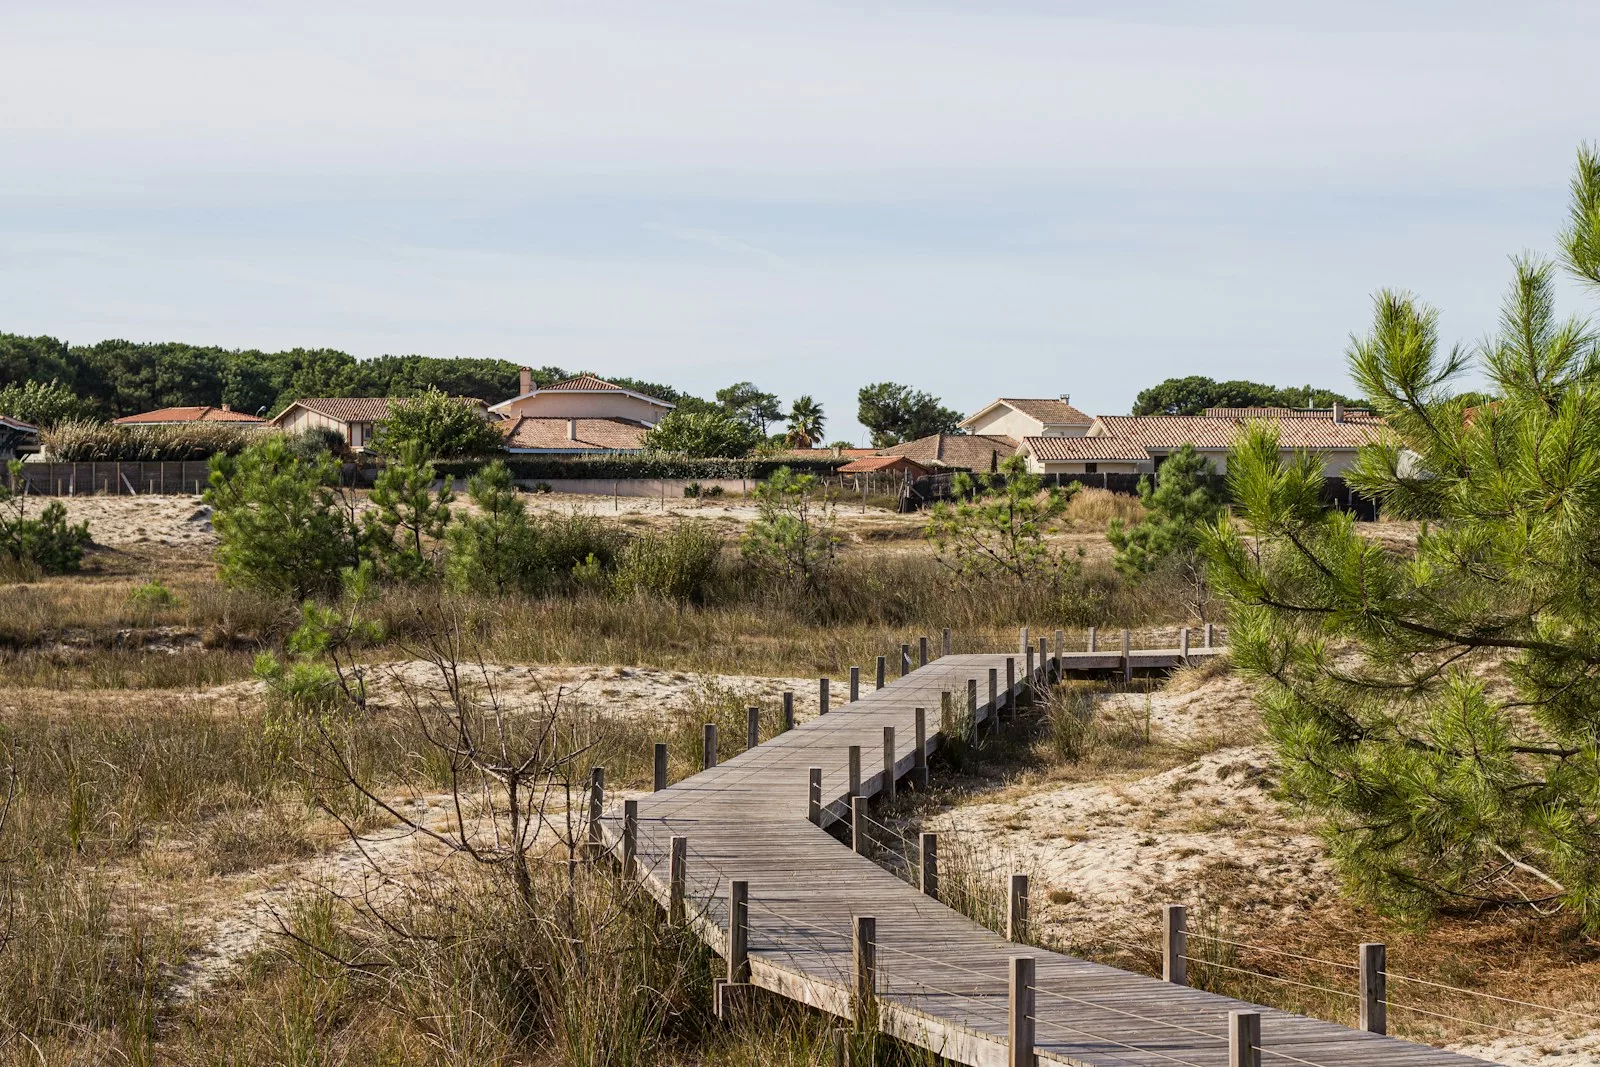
805	423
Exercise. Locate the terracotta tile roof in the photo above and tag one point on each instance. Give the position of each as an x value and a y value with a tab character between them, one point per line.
867	464
202	413
1051	412
581	383
823	453
1056	449
972	451
357	408
612	435
1351	414
1171	431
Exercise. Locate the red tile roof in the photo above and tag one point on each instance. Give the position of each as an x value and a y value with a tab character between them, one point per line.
610	435
867	464
1057	449
1051	412
1351	414
356	408
581	383
1171	431
969	451
202	413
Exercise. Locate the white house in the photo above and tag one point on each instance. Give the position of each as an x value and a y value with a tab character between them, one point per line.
1021	418
351	417
1137	444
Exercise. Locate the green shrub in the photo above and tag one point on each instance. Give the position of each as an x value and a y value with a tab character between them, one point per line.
151	596
48	543
435	425
282	525
677	566
492	549
42	403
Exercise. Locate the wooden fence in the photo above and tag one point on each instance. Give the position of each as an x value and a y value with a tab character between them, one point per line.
113	478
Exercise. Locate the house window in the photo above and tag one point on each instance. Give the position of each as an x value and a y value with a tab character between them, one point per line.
1091	468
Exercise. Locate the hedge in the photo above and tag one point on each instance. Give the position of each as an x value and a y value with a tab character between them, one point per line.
549	468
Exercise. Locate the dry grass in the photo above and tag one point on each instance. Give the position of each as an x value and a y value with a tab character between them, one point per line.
1095	508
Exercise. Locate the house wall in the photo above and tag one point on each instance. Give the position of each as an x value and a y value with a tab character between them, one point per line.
299	420
1334	463
1013	423
559	405
1102	466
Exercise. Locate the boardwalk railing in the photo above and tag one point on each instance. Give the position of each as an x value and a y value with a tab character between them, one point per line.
745	852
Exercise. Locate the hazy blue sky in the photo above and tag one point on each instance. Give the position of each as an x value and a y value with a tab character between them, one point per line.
1003	198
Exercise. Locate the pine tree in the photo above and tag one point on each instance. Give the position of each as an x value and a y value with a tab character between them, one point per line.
491	550
1180	503
997	528
1441	707
407	518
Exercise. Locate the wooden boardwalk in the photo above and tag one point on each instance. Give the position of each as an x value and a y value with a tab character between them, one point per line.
941	979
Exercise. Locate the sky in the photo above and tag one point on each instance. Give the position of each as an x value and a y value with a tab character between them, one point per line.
1010	198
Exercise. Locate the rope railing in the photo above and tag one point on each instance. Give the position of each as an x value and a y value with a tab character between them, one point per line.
1271	977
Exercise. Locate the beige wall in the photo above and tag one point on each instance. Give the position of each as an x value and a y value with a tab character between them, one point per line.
1013	423
559	405
299	420
1102	466
1334	463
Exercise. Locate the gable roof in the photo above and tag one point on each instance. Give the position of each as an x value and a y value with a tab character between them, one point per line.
866	464
1056	449
583	383
967	451
356	408
1212	432
551	434
197	413
1048	411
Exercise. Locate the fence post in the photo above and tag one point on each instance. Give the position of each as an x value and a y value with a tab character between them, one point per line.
814	794
676	879
919	757
1374	988
1020	1029
905	660
888	765
1061	648
1094	640
739	931
630	835
855	770
1210	635
1043	678
708	746
597	799
928	847
1017	908
1183	645
883	663
972	709
865	953
788	710
659	781
1023	642
752	728
1244	1039
1011	684
1127	658
858	825
1174	944
822	696
944	639
994	696
855	684
922	651
1027	674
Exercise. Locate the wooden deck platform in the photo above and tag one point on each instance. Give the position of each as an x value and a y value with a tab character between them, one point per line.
942	980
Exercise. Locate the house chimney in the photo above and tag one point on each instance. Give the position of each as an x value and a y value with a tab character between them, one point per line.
527	382
572	429
226	406
1338	411
1066	398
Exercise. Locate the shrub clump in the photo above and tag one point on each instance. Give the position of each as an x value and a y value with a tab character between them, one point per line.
678	565
48	544
78	441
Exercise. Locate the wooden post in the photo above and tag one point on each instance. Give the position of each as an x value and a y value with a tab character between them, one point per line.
972	709
1244	1039
630	836
788	710
1127	658
865	953
1023	643
1043	678
1061	649
855	770
994	696
1017	908
752	728
922	651
1011	684
1020	1017
708	746
677	860
738	931
905	660
1027	674
888	791
919	757
944	642
1174	944
1374	988
1211	634
883	663
858	825
1183	644
814	806
928	846
597	799
1094	640
822	696
660	780
855	684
